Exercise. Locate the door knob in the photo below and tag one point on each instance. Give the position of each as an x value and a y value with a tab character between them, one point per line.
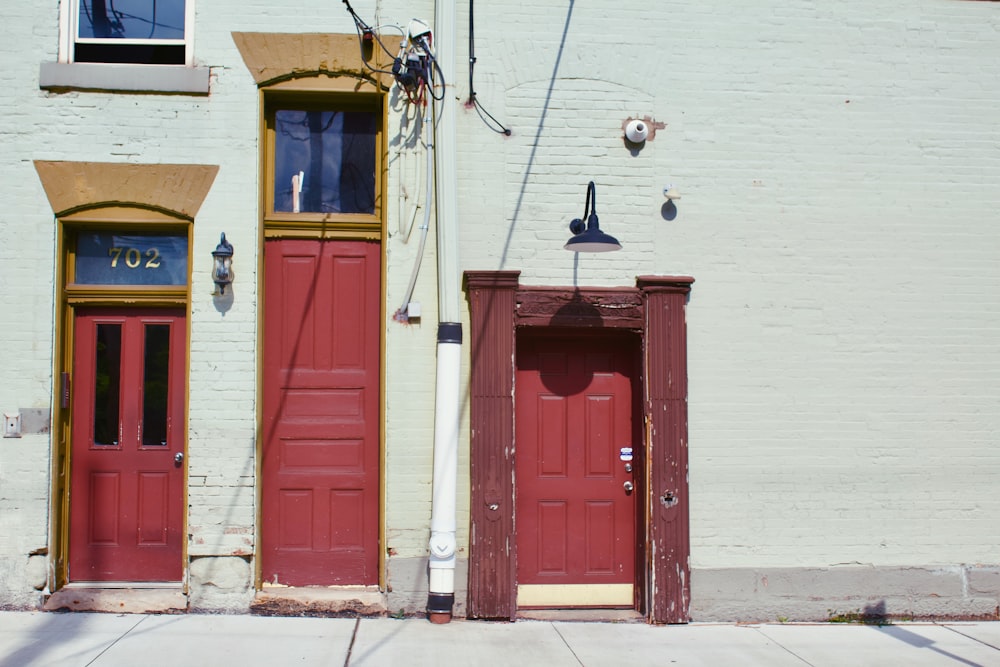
628	487
179	458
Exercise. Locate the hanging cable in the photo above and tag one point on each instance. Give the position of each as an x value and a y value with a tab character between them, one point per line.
415	67
433	80
367	34
402	315
473	101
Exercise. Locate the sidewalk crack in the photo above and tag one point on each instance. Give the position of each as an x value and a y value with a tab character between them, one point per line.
350	647
975	639
556	628
121	637
782	646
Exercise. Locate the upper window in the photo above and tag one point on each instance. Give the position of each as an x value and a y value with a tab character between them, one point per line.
152	32
323	159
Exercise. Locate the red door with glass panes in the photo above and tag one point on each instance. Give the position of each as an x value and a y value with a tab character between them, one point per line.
320	482
127	465
574	471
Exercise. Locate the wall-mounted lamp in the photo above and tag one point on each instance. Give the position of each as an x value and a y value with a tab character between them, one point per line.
588	237
222	264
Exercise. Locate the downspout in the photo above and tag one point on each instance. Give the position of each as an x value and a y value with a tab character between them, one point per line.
441	588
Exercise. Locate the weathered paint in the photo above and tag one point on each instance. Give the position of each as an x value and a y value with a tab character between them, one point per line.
580	310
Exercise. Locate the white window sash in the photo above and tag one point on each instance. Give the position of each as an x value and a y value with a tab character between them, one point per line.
69	12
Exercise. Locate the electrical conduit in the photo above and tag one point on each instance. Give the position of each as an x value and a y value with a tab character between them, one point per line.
403	313
441	588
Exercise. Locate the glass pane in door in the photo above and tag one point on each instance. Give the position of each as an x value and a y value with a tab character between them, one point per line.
107	384
155	381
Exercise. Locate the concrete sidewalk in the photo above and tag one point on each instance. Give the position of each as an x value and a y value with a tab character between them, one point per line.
107	640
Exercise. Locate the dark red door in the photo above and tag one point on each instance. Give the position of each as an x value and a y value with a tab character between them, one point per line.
575	510
320	486
127	470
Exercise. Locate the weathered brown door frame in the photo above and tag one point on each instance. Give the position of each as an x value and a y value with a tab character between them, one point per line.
655	309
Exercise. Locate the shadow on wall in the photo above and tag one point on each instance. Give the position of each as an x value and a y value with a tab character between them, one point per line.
669	210
538	136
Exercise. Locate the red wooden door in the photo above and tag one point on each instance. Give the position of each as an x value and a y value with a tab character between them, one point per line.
575	517
320	486
127	471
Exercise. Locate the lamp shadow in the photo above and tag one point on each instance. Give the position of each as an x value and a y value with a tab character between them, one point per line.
669	210
223	302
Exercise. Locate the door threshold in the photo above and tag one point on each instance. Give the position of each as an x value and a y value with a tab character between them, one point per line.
120	598
582	615
135	585
324	601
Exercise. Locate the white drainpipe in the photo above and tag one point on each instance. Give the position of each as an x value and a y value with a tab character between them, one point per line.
441	589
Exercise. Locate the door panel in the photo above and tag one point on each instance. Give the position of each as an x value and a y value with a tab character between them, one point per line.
321	412
126	489
575	518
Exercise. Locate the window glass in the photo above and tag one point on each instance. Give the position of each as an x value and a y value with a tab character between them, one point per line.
106	258
131	19
324	161
155	384
130	31
107	383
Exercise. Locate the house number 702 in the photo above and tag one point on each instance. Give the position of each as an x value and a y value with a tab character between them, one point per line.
133	257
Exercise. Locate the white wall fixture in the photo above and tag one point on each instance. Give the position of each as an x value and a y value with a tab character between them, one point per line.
12	426
640	130
636	131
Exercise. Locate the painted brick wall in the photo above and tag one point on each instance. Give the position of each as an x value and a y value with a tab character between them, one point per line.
26	283
838	165
220	129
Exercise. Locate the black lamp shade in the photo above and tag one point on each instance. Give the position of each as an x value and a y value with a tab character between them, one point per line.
590	238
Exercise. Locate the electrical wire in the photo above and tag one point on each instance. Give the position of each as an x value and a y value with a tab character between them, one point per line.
428	74
473	100
363	30
401	314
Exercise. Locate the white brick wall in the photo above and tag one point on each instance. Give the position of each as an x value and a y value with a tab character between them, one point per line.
838	165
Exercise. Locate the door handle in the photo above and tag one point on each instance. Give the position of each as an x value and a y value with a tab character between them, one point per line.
179	458
628	487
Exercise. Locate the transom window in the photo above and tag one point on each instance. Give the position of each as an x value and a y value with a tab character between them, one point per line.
156	32
322	159
145	261
111	258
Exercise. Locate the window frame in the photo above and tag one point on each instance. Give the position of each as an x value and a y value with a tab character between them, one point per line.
285	223
69	11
